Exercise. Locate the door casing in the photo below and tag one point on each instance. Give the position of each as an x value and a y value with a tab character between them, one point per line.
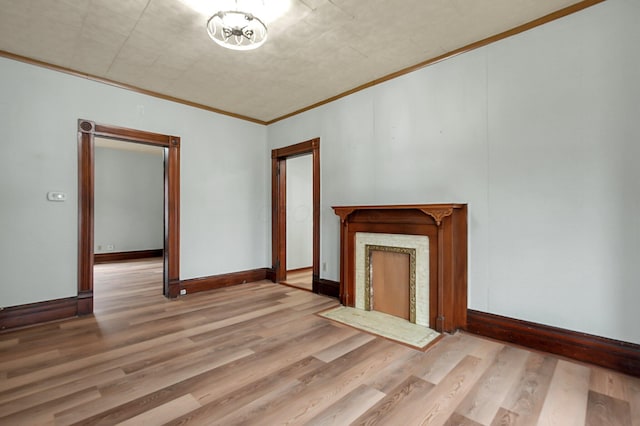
279	207
87	131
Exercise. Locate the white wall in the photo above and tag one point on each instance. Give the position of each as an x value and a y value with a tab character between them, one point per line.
129	199
299	212
538	134
224	180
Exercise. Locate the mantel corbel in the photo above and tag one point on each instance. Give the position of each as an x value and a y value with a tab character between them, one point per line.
438	213
344	213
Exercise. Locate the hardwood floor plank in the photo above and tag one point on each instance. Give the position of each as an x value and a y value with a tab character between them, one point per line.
8	343
527	395
45	413
484	399
444	358
232	403
325	386
348	409
257	353
460	420
566	400
270	361
633	390
448	394
165	412
395	403
505	417
397	371
39	380
120	391
610	383
603	410
15	367
343	347
254	412
34	399
634	400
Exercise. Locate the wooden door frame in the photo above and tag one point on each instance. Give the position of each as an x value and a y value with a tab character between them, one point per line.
87	131
279	207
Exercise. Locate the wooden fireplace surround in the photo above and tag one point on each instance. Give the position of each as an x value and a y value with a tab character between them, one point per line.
446	227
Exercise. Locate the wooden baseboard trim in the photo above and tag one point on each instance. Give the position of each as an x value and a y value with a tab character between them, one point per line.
271	274
39	312
213	282
126	255
326	287
306	269
614	354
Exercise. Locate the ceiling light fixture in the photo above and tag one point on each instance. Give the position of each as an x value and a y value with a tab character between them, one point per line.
237	29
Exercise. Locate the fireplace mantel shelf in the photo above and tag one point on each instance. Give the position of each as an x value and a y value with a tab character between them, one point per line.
446	227
436	211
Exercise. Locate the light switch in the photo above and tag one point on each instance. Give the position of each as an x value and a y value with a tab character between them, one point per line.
56	196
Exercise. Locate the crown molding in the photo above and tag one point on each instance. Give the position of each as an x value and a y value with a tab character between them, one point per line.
75	73
476	45
473	46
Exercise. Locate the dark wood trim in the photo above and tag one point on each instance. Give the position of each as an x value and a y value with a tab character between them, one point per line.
271	274
86	185
279	206
305	269
213	282
85	302
279	210
608	353
126	255
172	218
39	312
327	287
469	47
119	85
87	131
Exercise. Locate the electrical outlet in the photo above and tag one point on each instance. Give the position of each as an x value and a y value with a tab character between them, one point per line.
110	247
324	266
99	247
183	291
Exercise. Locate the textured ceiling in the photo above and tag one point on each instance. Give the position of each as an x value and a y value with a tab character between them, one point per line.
318	49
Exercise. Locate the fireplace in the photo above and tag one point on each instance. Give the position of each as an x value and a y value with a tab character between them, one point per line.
409	261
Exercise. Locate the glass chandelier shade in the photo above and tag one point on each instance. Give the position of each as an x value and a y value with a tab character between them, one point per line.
237	30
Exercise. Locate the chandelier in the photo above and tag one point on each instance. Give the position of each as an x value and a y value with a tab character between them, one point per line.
237	29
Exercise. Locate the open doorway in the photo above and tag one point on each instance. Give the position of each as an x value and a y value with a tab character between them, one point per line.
88	131
128	222
299	227
280	157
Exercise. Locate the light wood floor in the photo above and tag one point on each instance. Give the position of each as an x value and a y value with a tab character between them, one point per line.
257	354
301	279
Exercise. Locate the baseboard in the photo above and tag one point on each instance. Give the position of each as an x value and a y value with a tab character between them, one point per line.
305	269
271	275
39	312
126	255
213	282
614	354
326	287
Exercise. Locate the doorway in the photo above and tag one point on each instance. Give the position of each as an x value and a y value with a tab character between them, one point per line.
87	132
299	227
279	159
128	222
